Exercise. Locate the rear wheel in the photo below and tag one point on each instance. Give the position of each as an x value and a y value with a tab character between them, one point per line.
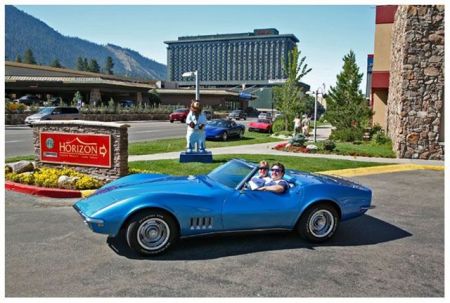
171	121
151	232
225	136
318	223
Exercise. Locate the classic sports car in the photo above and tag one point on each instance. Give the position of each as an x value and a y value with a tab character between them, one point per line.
223	129
153	210
261	125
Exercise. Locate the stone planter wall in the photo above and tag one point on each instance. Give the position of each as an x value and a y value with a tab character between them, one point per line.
119	145
416	88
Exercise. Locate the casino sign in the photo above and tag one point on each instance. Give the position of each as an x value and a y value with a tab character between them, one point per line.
77	149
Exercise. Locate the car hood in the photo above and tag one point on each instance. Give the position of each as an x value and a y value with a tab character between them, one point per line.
143	184
258	124
305	178
35	116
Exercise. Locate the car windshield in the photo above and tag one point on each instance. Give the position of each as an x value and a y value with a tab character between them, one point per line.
46	110
231	173
217	123
236	112
263	121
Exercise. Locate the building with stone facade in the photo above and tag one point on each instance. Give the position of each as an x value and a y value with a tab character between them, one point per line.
408	79
415	109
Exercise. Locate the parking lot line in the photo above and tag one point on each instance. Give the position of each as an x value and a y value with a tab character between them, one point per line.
363	171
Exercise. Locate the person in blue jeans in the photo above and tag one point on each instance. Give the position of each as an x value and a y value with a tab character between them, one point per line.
277	184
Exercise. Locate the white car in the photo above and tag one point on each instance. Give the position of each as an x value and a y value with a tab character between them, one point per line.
54	113
265	116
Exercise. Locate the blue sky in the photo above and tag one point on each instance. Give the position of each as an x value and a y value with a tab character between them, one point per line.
326	32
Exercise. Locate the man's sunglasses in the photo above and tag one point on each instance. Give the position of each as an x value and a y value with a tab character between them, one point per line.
265	168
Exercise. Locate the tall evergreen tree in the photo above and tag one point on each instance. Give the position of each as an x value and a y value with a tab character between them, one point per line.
289	97
93	66
80	64
55	63
109	66
85	64
18	58
28	57
347	108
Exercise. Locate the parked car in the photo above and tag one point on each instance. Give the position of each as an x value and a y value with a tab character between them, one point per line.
223	129
54	113
154	210
265	116
261	125
237	114
208	114
29	100
127	103
179	115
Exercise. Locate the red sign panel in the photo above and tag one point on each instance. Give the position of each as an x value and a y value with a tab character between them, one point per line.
76	149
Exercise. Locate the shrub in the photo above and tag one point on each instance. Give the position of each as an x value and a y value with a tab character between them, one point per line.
329	145
380	138
278	125
347	134
298	140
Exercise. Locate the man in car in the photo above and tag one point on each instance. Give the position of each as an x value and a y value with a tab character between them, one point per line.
277	184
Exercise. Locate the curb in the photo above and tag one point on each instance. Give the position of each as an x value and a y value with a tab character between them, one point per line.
47	192
363	171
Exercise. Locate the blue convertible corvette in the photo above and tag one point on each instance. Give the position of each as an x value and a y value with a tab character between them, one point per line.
154	210
223	129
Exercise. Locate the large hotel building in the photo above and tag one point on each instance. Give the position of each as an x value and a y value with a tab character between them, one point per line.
253	58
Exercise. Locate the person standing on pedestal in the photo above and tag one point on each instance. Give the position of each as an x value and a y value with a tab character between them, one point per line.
195	134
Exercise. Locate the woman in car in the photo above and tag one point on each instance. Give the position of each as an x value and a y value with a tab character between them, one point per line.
277	184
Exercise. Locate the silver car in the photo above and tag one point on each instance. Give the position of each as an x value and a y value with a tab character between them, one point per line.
54	113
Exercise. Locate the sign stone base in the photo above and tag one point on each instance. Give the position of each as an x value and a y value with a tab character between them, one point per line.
205	157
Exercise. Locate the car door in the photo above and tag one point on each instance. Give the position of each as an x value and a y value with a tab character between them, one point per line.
234	129
247	210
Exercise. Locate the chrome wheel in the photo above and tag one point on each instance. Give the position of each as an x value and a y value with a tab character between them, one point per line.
321	223
153	234
224	136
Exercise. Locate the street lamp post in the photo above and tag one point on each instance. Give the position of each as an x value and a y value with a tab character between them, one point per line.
197	87
315	109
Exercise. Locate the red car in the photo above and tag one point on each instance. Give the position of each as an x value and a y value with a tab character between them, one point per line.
179	115
261	125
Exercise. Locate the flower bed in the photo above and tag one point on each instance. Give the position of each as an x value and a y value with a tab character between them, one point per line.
54	178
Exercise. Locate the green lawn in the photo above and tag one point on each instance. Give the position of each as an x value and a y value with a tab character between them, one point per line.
179	144
174	167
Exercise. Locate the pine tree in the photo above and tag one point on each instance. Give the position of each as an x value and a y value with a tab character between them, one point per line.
289	97
80	64
93	66
28	57
109	65
85	64
347	108
55	63
18	58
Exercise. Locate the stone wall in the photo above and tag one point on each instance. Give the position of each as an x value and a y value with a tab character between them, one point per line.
119	144
416	88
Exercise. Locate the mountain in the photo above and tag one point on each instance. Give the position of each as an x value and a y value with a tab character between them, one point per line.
23	31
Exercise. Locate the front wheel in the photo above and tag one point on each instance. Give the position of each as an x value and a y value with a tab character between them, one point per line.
151	232
318	223
241	134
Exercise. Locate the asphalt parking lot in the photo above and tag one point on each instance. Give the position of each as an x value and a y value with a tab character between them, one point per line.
396	250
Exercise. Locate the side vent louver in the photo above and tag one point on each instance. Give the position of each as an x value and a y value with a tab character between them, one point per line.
201	222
